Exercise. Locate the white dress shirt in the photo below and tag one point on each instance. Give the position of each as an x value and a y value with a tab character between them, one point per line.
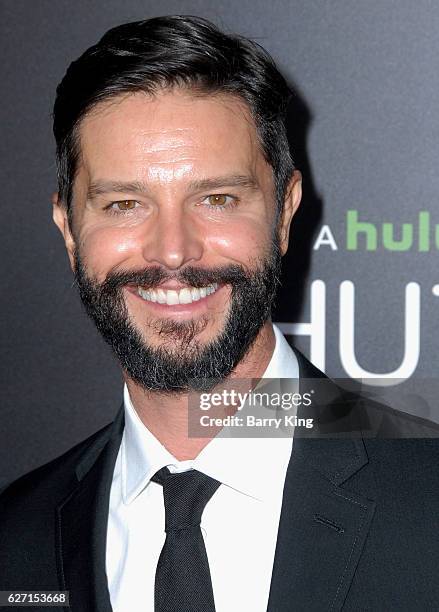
239	523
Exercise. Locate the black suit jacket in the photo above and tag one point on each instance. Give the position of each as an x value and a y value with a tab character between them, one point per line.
359	526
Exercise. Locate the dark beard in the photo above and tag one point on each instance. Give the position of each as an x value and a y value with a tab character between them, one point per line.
180	363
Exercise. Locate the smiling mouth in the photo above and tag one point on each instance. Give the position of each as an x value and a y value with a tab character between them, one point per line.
171	297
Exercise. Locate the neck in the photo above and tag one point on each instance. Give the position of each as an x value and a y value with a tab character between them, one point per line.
166	414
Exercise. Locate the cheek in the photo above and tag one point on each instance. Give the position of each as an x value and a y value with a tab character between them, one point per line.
104	248
242	242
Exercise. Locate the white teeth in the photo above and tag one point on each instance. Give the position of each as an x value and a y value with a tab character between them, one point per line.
195	294
171	297
187	295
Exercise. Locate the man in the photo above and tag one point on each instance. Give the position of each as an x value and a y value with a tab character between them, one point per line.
176	195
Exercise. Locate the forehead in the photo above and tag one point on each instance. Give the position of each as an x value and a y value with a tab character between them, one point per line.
134	133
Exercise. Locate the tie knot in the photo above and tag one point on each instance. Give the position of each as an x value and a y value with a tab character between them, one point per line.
185	496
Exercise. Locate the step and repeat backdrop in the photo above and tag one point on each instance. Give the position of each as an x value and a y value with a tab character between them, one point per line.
360	294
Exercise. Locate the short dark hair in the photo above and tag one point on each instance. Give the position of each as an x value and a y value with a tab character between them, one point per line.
172	51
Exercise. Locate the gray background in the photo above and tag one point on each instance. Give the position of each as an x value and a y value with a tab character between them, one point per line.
364	130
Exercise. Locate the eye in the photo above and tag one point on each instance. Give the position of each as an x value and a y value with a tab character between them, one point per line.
122	206
220	200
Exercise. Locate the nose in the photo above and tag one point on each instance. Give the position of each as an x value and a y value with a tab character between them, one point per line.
174	239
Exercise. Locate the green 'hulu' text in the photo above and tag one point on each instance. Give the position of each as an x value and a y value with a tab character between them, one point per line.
393	236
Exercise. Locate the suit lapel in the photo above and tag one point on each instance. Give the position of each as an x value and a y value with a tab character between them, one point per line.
322	527
82	524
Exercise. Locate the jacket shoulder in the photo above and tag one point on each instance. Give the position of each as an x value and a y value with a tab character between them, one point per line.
52	478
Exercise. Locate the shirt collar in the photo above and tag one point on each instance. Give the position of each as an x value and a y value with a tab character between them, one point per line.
249	465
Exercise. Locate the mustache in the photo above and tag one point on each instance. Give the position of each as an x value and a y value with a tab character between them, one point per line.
151	278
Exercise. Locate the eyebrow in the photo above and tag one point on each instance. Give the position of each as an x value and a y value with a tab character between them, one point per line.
236	180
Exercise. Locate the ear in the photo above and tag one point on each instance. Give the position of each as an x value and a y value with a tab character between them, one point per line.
61	220
291	204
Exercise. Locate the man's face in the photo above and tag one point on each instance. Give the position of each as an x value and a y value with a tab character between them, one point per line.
173	240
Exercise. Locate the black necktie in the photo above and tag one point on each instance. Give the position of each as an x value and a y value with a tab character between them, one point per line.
182	580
